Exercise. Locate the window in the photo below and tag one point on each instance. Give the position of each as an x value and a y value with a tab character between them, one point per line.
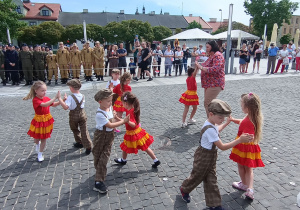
290	31
284	31
292	21
45	13
18	9
297	21
32	23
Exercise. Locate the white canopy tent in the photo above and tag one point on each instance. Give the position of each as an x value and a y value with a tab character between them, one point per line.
235	35
191	37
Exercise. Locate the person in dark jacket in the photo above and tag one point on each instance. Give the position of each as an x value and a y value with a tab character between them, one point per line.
12	61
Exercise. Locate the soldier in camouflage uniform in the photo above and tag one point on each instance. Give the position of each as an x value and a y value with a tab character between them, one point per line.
98	53
63	60
87	61
26	58
39	62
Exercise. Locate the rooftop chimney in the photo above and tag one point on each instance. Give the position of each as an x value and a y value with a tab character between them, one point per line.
137	11
213	20
121	11
190	15
85	11
26	1
152	13
144	11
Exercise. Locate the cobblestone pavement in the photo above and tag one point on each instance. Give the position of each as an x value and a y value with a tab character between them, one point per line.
66	178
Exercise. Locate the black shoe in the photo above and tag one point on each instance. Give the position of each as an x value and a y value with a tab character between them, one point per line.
88	151
150	79
100	187
136	79
91	79
56	82
144	77
98	78
17	83
13	83
157	163
141	77
78	145
4	83
216	208
102	78
185	196
122	162
49	82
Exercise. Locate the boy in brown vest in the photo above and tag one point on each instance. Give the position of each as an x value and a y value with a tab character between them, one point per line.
77	115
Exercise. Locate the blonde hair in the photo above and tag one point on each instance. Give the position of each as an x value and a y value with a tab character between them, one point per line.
36	85
123	79
253	104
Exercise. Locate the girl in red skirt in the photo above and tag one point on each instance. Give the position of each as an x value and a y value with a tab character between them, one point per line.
190	97
119	90
247	155
135	137
42	123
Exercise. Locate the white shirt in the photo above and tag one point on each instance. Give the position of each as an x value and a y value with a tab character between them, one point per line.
159	52
210	136
115	83
105	55
179	53
102	120
70	102
201	52
284	53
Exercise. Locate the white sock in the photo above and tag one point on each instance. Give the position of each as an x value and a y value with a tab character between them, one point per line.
155	160
121	159
124	159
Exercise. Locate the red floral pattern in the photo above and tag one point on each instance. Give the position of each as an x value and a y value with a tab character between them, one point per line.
215	75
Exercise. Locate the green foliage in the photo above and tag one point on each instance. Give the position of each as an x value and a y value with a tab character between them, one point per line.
9	18
72	33
285	39
178	30
113	32
269	12
161	32
28	34
194	24
235	26
50	32
94	32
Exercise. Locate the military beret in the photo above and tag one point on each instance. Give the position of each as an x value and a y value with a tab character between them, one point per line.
9	45
24	45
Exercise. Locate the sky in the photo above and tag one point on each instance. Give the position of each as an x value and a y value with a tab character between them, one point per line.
203	8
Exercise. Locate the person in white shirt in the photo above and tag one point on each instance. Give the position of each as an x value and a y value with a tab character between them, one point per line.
178	61
115	74
157	53
77	116
202	54
283	57
104	136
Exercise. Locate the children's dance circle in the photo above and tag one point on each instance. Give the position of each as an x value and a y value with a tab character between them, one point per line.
117	98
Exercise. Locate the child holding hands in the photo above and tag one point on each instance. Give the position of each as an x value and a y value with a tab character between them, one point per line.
205	158
247	155
77	116
104	136
42	123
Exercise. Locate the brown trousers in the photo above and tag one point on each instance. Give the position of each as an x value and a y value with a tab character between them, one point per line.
103	141
88	69
209	95
52	71
76	71
98	68
64	71
204	170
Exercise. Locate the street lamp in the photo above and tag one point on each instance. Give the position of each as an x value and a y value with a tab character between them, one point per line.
221	16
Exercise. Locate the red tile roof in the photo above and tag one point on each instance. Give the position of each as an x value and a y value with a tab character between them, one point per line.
198	19
33	11
216	25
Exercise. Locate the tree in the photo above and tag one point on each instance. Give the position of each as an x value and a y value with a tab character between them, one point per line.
72	33
28	34
194	24
235	26
285	39
50	32
94	32
178	30
269	12
161	32
9	19
113	32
